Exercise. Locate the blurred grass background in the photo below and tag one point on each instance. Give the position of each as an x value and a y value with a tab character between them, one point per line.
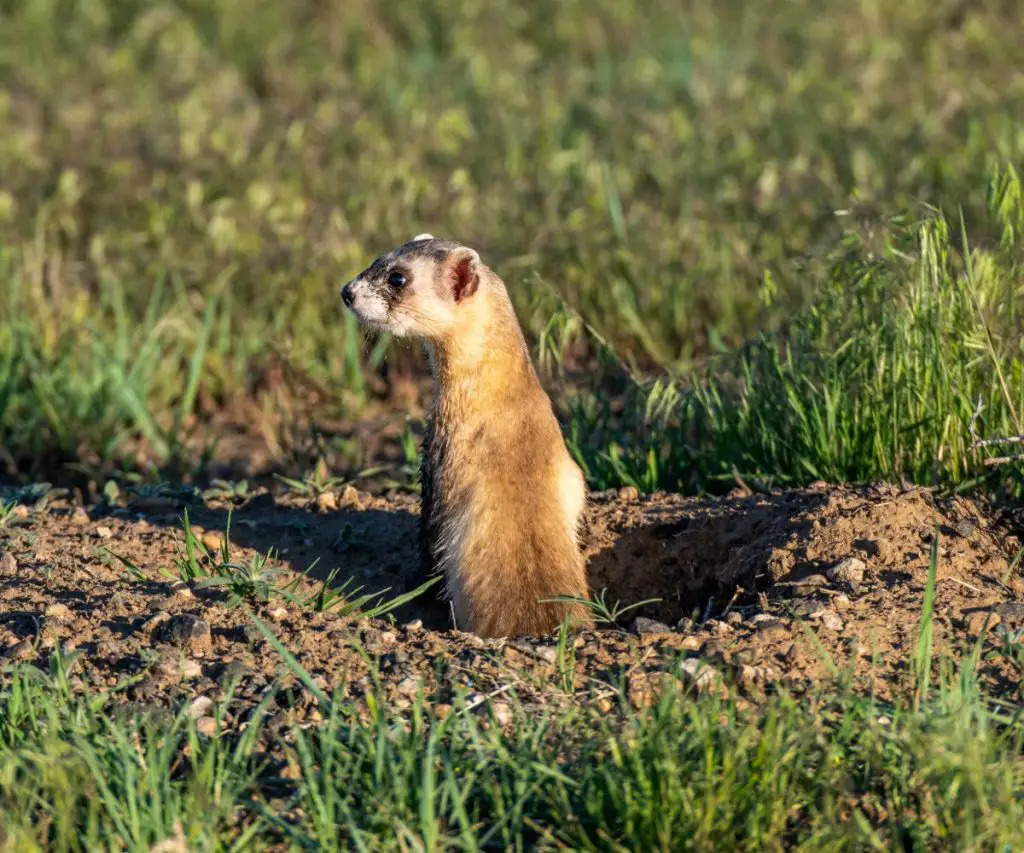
183	186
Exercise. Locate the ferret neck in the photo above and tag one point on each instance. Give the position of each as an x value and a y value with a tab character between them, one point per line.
488	347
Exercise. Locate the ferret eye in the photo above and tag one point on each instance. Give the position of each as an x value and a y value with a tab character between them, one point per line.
396	279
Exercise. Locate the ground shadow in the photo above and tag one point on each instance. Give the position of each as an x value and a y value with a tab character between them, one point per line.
699	555
366	550
696	556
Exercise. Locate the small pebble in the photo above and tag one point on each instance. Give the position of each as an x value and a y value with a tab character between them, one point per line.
966	527
502	713
629	493
199	707
415	625
254	635
156	621
772	630
408	687
350	498
327	502
212	541
643	625
181	591
233	672
58	613
20	651
859	650
713	649
747	675
172	667
745	656
699	674
809	609
104	532
976	622
1011	611
189	631
206	726
848	570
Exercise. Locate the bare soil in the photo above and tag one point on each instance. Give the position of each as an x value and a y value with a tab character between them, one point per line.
756	592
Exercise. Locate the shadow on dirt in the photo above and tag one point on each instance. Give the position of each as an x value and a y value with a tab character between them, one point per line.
694	555
367	550
698	555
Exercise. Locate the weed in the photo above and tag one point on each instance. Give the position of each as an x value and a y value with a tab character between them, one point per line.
353	602
601	611
249	581
566	658
223	490
313	484
922	661
195	561
131	569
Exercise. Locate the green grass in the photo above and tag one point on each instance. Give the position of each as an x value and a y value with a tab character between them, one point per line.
185	185
939	766
838	772
916	338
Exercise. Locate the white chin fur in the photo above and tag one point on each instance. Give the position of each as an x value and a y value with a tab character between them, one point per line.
371	310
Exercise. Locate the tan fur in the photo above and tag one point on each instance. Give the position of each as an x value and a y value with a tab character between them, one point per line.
502	496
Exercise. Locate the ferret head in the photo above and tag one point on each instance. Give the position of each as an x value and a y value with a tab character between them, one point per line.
416	290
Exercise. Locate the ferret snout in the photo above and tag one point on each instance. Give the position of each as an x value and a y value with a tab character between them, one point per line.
348	295
364	300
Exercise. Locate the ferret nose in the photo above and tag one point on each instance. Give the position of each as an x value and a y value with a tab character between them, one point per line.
347	296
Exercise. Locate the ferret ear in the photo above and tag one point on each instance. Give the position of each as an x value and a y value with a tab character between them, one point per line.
462	272
419	237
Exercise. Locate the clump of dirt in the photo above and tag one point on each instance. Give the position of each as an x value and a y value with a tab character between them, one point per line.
754	592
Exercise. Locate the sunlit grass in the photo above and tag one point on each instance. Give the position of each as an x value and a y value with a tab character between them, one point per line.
185	185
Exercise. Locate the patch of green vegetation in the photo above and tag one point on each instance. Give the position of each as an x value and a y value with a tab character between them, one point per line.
834	771
906	364
255	579
185	186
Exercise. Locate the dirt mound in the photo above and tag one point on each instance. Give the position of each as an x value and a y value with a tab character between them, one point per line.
754	591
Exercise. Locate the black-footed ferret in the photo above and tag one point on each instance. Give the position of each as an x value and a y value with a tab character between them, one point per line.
501	496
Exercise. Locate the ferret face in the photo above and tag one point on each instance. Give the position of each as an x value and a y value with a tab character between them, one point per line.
415	290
